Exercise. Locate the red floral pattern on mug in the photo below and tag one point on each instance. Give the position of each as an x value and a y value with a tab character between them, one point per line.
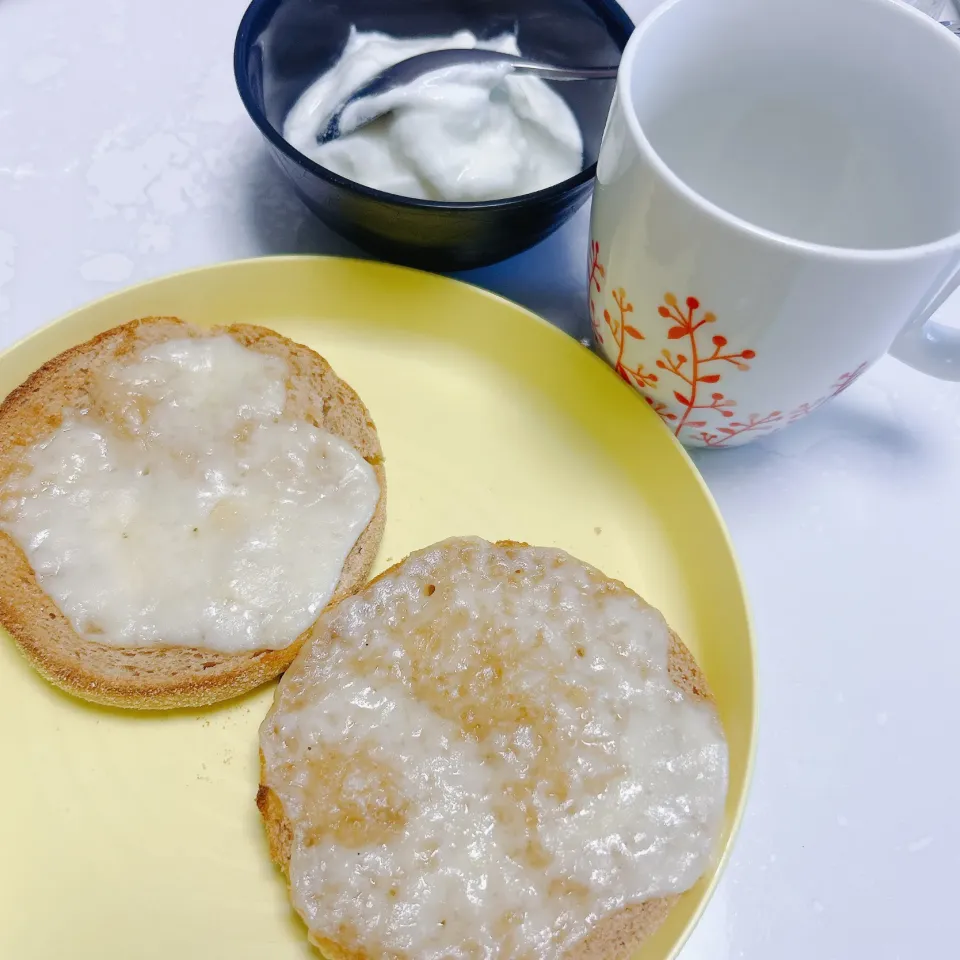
617	325
696	364
692	369
776	419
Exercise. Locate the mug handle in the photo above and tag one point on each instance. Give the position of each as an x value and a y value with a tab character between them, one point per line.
928	346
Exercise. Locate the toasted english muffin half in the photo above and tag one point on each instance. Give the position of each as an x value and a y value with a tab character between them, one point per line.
91	385
457	754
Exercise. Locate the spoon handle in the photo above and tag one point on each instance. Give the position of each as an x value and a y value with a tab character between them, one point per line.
549	72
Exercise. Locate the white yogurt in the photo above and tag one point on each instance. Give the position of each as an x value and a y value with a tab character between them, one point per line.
463	134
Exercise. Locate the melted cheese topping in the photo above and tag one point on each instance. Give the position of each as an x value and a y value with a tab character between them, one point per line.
183	507
482	755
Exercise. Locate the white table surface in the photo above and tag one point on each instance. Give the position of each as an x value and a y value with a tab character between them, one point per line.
125	154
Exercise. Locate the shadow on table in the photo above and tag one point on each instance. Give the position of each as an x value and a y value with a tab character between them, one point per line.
278	222
548	279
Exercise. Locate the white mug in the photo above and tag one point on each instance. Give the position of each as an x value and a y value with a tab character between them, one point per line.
777	205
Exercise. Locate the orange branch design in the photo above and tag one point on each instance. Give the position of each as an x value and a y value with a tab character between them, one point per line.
661	408
798	413
615	323
696	364
691	367
735	428
772	420
597	273
846	379
621	330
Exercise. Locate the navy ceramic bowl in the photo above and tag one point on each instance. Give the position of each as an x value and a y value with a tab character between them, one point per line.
283	45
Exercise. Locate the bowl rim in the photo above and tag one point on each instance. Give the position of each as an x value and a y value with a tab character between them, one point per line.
619	27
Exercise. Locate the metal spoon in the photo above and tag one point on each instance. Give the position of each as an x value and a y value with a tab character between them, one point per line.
406	71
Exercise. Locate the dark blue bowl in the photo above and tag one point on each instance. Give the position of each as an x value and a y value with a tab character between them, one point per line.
283	45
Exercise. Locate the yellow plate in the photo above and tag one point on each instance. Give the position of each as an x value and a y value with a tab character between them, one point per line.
126	835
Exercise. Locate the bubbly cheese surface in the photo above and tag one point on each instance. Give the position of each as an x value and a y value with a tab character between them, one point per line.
482	755
182	506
